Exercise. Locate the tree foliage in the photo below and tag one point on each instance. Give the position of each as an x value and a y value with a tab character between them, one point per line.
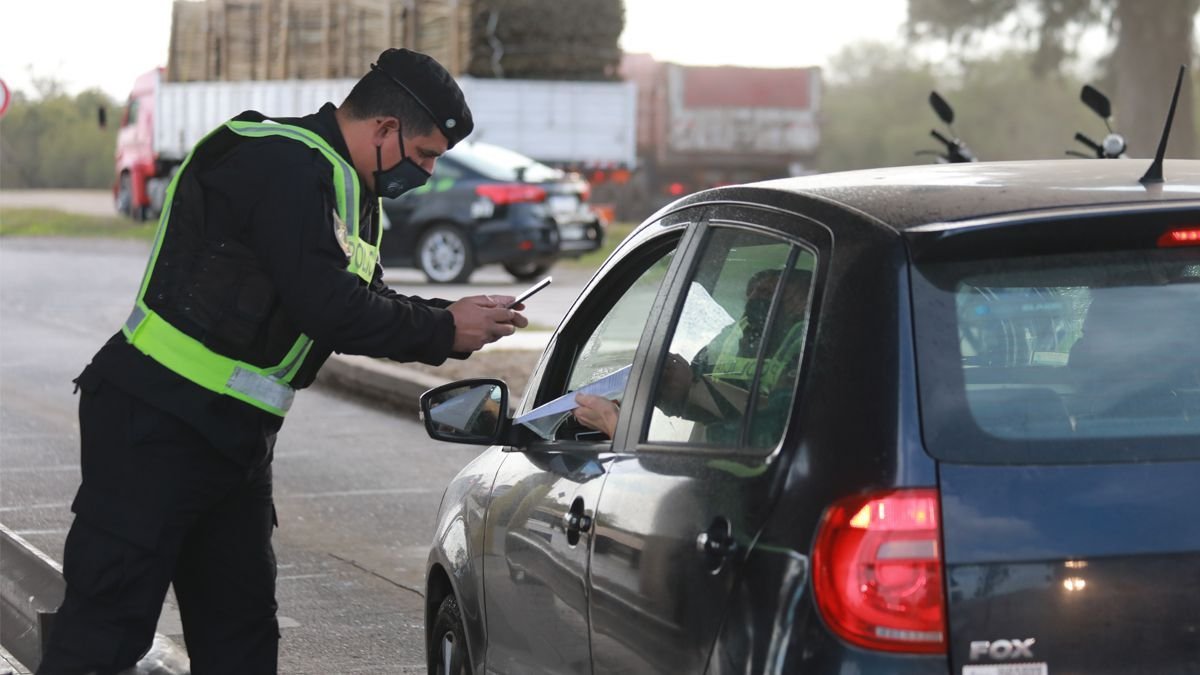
1152	40
875	109
53	140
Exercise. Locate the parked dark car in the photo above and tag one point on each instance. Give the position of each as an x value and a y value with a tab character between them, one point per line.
484	205
959	432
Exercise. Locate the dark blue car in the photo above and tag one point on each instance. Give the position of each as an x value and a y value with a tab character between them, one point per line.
939	419
489	205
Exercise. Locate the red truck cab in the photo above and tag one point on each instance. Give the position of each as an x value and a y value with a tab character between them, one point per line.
136	159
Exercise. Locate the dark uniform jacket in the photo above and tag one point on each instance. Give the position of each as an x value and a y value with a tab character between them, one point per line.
274	196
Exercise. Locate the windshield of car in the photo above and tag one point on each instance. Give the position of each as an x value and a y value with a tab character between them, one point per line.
497	163
1064	357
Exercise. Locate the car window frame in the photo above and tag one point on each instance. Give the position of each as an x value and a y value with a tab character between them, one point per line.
787	225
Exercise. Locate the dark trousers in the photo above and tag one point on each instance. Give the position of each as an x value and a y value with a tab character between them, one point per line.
158	505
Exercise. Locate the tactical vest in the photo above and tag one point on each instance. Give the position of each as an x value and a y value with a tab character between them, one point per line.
268	387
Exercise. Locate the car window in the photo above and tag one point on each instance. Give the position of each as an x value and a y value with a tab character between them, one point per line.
612	344
447	167
741	330
1065	348
497	163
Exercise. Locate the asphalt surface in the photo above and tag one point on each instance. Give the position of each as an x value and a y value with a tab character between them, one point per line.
357	485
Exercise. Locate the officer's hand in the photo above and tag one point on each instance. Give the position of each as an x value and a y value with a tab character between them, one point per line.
482	319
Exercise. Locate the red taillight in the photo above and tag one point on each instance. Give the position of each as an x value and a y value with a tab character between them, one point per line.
510	193
877	572
676	189
1187	236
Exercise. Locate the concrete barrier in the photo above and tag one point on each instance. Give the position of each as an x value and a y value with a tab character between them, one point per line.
31	589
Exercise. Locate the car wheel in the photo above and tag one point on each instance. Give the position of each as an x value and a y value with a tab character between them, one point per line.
445	255
124	198
449	641
526	271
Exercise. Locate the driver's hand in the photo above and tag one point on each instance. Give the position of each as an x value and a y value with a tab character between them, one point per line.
597	412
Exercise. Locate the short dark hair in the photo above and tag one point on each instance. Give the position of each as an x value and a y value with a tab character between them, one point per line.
375	95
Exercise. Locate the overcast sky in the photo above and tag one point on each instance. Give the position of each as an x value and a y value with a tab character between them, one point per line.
108	43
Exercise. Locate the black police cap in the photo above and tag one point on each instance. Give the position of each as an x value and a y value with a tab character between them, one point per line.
432	87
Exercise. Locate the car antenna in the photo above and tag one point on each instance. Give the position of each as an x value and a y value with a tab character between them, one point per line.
1155	173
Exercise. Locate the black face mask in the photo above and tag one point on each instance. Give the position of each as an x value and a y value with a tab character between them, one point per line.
406	175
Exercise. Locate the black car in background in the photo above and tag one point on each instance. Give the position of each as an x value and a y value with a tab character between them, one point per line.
484	205
939	419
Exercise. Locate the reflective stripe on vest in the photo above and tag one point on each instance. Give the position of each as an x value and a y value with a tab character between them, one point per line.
267	388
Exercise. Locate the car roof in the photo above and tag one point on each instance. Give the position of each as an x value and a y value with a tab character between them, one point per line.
911	196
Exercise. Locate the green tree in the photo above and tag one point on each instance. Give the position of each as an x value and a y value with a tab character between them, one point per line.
53	140
1153	38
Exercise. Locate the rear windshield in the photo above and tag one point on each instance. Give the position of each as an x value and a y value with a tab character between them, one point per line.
497	163
1061	358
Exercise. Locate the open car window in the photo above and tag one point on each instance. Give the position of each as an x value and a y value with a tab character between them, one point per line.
605	353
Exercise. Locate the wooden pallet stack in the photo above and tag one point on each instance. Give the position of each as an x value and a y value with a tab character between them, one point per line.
316	39
308	39
546	39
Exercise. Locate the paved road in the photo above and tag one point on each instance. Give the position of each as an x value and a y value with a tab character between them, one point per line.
357	487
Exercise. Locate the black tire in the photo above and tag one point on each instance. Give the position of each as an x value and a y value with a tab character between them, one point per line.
448	641
124	199
444	254
526	271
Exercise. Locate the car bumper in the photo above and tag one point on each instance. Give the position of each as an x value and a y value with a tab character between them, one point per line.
516	241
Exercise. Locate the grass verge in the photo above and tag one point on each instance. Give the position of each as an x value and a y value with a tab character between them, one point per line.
52	223
615	234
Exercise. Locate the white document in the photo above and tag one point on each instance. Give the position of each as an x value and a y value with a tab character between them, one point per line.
610	386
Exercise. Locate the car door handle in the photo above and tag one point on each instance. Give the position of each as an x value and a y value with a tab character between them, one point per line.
575	521
717	543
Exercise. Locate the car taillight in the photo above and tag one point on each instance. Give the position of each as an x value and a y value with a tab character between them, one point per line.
511	193
1187	236
877	571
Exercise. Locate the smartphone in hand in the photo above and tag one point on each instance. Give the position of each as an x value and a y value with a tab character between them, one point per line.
532	289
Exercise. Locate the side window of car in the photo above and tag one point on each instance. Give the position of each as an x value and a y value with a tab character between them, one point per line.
729	376
612	344
597	349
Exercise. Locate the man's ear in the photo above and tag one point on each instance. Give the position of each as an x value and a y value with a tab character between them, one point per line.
384	128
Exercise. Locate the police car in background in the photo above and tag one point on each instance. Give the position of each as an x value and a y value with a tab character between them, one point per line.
485	205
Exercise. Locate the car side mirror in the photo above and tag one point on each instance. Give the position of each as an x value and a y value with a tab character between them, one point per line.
472	411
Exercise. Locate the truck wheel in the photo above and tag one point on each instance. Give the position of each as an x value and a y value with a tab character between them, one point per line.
124	198
444	254
448	644
526	271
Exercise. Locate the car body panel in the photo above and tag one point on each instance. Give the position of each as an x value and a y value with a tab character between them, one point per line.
536	576
1094	563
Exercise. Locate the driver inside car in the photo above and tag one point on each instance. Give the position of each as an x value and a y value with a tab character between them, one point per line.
712	389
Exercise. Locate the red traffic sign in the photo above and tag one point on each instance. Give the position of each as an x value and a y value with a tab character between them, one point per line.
5	97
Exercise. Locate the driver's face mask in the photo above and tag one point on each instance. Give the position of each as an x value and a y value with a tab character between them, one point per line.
404	176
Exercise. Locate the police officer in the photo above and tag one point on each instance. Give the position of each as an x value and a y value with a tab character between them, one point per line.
265	262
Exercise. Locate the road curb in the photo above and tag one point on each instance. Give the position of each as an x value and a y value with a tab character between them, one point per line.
32	588
383	382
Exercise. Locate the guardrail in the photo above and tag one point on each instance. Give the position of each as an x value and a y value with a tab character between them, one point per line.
31	589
